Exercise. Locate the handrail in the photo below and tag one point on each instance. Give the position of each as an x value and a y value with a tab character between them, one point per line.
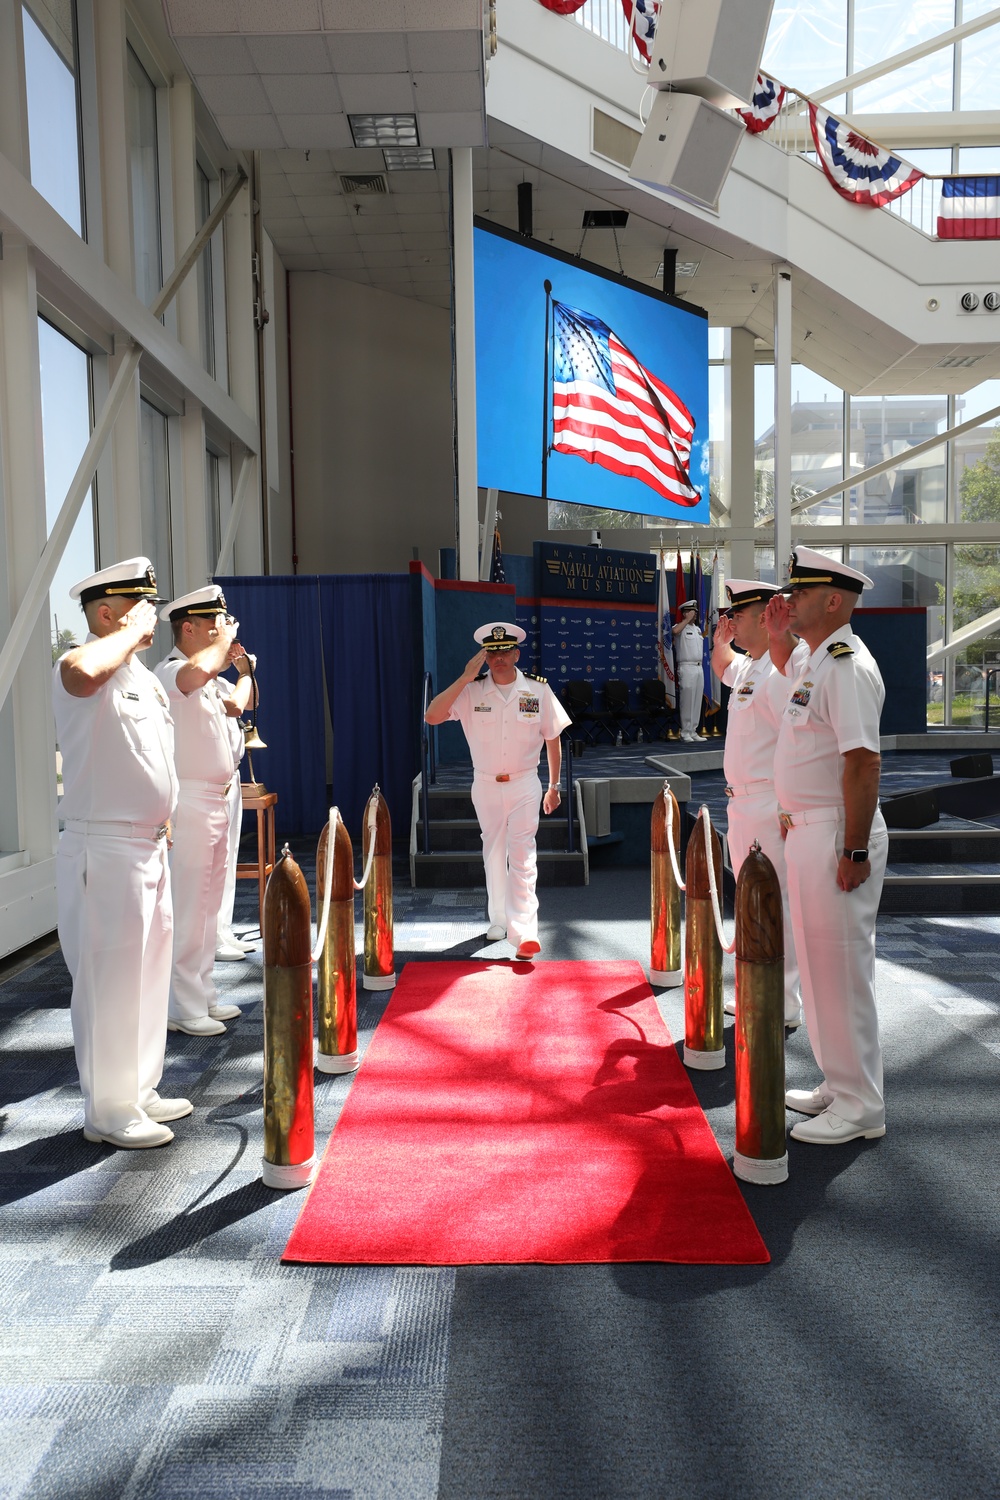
568	767
427	763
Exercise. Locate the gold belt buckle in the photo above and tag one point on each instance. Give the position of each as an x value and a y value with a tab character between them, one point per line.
730	792
225	789
504	777
786	820
161	832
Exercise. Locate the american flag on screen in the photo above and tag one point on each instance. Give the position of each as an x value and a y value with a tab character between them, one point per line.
608	410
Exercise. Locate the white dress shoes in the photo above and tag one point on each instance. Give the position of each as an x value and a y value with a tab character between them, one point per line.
792	1023
162	1110
138	1135
233	939
809	1101
230	953
496	933
224	1011
729	1007
829	1129
202	1026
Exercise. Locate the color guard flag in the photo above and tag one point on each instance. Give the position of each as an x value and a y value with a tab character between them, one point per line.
665	639
765	104
608	410
969	209
857	168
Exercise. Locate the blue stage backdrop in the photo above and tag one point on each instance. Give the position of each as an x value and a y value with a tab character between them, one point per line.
372	654
279	623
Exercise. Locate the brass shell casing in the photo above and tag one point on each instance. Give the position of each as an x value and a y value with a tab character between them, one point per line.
379	967
760	1022
289	1134
704	1041
665	896
337	1004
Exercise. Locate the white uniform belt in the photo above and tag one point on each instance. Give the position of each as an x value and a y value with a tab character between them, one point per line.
809	815
747	788
505	775
186	784
116	830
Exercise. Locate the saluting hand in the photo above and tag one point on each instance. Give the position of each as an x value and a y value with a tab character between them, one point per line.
725	630
141	618
776	616
474	666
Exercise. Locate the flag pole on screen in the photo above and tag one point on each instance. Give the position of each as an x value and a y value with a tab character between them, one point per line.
546	384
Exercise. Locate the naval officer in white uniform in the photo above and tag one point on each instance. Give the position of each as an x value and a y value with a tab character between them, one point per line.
204	643
826	775
757	694
507	717
689	644
112	881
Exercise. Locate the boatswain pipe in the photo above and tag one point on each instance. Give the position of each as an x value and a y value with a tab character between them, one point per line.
337	1002
704	1043
761	1154
665	891
289	1135
379	968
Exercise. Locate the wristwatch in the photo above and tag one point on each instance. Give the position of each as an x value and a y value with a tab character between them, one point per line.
856	856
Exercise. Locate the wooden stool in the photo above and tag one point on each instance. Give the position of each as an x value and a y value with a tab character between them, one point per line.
263	803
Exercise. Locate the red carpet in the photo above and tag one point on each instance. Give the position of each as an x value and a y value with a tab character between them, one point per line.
510	1113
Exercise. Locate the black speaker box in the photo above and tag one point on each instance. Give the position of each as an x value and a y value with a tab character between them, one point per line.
911	809
973	765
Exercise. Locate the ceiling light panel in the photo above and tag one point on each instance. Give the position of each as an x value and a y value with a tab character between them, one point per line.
408	159
384	130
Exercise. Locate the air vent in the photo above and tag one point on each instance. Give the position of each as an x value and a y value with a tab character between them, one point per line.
613	140
367	182
604	218
958	361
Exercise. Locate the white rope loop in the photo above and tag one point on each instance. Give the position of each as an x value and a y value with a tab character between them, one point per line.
668	816
716	911
328	867
359	885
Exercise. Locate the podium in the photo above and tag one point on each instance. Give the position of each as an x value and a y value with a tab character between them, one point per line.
256	799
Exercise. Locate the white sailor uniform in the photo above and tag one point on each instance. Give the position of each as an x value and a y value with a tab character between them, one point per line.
113	887
506	728
198	859
834	706
755	705
234	729
689	645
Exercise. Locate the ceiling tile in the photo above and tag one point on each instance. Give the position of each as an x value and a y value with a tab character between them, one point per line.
290	15
386	241
242	95
302	262
459	129
368	52
423	223
448	91
368	160
250	132
421	208
311	184
443	15
426	242
297	161
287	54
386	259
280	227
215	54
308	94
445	51
416	185
378	93
203	17
348	15
316	130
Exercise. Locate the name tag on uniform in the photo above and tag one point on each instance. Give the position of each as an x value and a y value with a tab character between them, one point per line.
528	705
132	697
482	708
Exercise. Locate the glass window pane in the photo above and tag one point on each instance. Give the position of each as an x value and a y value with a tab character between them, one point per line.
975	592
212	508
881	428
980	62
206	301
66	426
717	439
154	501
806	45
145	180
977	457
978	161
53	120
817	444
884	27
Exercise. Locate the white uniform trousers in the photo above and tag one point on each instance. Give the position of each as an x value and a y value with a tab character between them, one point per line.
755	816
235	801
197	874
508	816
834	934
692	685
115	928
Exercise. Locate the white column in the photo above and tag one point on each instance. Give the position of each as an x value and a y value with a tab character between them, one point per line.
465	363
738	465
782	420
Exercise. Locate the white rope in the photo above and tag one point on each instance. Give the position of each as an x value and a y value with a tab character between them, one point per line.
716	912
651	92
330	841
359	885
668	814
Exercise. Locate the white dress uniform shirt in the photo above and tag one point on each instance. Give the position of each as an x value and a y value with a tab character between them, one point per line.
200	852
506	735
833	706
234	728
688	644
113	888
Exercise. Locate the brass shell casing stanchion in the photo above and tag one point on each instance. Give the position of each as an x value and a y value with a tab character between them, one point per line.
665	897
337	1001
761	1149
704	1044
289	1135
379	968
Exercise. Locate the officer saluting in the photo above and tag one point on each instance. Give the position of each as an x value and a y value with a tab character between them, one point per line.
826	775
689	646
507	717
112	881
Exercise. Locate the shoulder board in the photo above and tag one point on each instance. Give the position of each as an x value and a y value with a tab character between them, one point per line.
534	677
840	648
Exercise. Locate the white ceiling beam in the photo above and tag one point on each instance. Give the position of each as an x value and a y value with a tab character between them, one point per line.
984	626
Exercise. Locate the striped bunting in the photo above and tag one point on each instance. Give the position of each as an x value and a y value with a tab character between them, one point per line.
858	168
765	104
969	209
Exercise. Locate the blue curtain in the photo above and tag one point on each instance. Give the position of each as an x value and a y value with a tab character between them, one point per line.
279	623
372	659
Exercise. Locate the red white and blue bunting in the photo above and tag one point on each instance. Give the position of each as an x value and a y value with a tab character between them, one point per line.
641	16
765	104
969	209
857	168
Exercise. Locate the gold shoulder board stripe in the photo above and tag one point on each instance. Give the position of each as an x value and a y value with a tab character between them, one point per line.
840	648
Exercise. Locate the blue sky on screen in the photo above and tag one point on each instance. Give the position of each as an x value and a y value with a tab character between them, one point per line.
670	342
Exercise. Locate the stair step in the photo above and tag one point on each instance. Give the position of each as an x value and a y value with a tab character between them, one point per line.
458	868
944	845
940	893
464	833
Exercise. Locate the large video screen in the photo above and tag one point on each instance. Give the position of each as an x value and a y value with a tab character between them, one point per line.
589	389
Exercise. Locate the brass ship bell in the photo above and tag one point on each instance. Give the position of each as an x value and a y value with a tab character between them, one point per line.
761	1151
337	998
665	896
376	845
289	1133
704	1042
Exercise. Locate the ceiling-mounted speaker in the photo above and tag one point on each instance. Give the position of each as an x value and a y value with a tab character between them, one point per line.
687	146
711	48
